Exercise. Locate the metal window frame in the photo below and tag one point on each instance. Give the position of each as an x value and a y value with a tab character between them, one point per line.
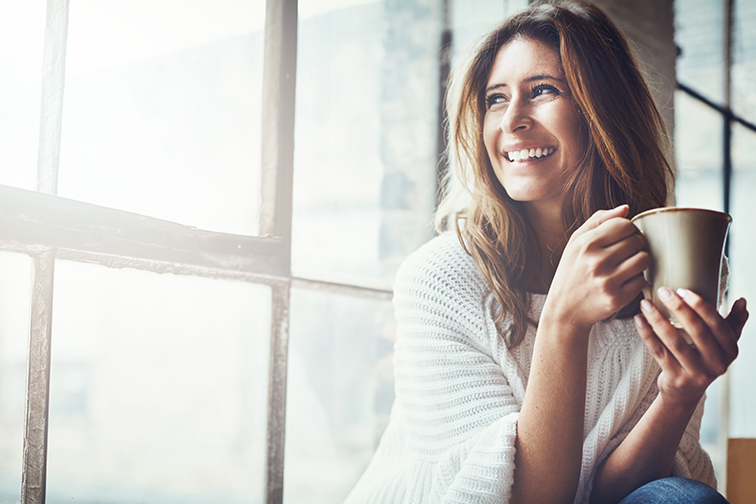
728	118
47	227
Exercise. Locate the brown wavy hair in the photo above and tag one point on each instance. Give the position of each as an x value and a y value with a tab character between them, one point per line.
625	159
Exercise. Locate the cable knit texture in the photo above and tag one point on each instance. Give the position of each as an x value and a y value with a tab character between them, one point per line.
451	437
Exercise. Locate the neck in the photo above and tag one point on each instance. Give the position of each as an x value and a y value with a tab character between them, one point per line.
546	222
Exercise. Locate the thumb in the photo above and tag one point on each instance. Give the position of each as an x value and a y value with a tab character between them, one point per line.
738	316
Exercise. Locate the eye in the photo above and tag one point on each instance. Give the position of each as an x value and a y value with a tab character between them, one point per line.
495	99
544	89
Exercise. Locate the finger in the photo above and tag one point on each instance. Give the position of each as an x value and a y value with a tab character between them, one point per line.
628	258
633	286
659	352
695	314
600	217
615	231
670	336
738	316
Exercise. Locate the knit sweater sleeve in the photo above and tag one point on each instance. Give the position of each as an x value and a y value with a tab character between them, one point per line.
459	411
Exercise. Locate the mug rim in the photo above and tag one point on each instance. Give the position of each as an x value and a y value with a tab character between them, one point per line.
678	209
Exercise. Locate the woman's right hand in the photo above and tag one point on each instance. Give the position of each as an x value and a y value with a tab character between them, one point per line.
601	270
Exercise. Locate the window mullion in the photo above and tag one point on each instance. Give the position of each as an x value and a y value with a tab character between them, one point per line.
36	417
277	165
279	89
53	78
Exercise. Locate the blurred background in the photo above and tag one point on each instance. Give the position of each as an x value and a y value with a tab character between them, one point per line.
159	382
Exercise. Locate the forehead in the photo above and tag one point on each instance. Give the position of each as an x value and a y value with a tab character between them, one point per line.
522	58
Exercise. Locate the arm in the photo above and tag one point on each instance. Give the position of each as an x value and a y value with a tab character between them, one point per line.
648	452
459	411
600	272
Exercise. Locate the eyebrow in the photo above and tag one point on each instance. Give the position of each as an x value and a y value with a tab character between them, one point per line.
529	79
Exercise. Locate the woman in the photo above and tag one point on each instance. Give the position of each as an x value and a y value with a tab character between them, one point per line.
527	368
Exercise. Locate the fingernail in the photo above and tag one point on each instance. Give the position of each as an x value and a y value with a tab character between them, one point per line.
646	305
638	321
664	293
683	293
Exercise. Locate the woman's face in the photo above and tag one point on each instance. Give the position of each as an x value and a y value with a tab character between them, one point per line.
532	130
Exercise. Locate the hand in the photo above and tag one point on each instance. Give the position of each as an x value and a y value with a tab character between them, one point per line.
688	369
601	270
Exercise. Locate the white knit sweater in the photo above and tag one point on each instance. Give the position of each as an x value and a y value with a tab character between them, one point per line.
451	437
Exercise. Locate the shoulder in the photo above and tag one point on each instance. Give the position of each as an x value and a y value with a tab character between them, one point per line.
441	265
440	283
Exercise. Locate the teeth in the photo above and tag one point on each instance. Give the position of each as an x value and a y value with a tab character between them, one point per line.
525	154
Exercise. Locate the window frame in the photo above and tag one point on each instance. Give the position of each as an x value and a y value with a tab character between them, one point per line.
728	118
46	227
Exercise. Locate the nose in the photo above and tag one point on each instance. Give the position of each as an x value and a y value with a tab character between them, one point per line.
517	116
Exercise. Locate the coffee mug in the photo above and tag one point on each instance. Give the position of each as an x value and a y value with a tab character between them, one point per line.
686	247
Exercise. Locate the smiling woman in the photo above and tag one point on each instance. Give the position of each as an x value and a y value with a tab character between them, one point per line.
527	368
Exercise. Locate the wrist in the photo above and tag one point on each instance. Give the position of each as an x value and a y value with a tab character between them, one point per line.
678	407
564	322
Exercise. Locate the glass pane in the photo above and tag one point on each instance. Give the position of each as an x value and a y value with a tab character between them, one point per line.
22	37
340	392
700	35
698	146
743	283
159	388
744	60
162	109
366	128
472	20
710	432
15	296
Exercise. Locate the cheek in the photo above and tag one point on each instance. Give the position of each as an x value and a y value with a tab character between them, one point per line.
489	141
574	134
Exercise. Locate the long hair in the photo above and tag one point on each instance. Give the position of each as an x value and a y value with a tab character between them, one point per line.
625	159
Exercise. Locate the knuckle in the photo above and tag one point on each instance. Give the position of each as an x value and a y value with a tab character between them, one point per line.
733	352
697	325
605	287
658	351
644	259
679	344
706	378
641	242
579	242
721	327
718	369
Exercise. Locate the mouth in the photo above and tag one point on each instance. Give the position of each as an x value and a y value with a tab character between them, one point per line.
528	154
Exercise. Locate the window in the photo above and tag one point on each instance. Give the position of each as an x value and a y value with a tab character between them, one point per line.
177	293
715	137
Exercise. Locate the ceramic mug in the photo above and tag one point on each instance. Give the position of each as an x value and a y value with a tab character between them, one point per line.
687	248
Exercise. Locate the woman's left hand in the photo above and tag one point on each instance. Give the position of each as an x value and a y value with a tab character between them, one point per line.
688	369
